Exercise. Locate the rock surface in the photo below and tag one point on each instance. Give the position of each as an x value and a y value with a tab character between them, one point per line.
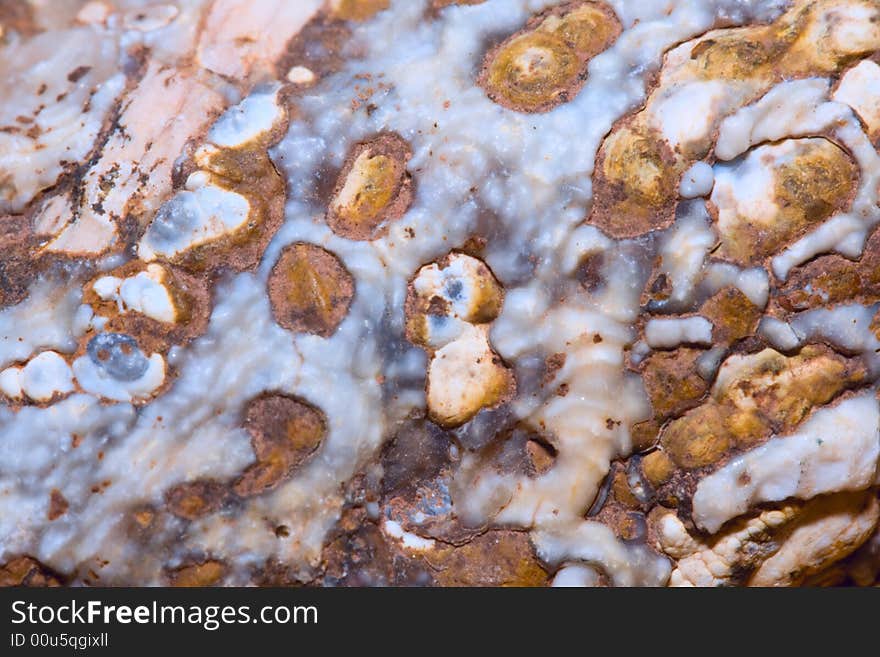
436	292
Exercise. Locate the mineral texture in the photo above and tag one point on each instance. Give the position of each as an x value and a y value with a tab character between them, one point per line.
426	292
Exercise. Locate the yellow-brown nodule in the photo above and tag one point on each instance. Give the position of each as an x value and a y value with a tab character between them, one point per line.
810	179
544	64
755	396
285	432
310	290
356	10
373	188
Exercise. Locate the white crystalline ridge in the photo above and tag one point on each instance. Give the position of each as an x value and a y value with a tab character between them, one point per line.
697	180
250	119
669	333
143	292
48	374
835	450
201	213
40	379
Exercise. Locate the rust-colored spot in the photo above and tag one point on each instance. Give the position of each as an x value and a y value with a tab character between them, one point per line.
78	73
195	499
206	573
672	381
310	290
284	433
755	396
27	571
356	10
545	63
373	190
552	365
58	505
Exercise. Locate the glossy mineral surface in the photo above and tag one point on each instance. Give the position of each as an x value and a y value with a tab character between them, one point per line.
514	292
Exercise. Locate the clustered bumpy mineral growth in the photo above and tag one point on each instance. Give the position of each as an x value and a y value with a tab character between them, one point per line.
457	293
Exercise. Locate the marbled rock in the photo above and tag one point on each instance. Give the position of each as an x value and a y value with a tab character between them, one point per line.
439	292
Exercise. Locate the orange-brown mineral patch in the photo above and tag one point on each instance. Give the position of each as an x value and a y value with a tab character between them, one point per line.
644	435
635	182
285	432
473	289
415	486
732	314
205	573
195	499
373	190
496	558
657	468
356	10
802	41
641	161
249	172
672	382
755	396
18	264
310	290
142	517
318	48
545	63
362	554
27	571
17	16
58	505
812	179
233	201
